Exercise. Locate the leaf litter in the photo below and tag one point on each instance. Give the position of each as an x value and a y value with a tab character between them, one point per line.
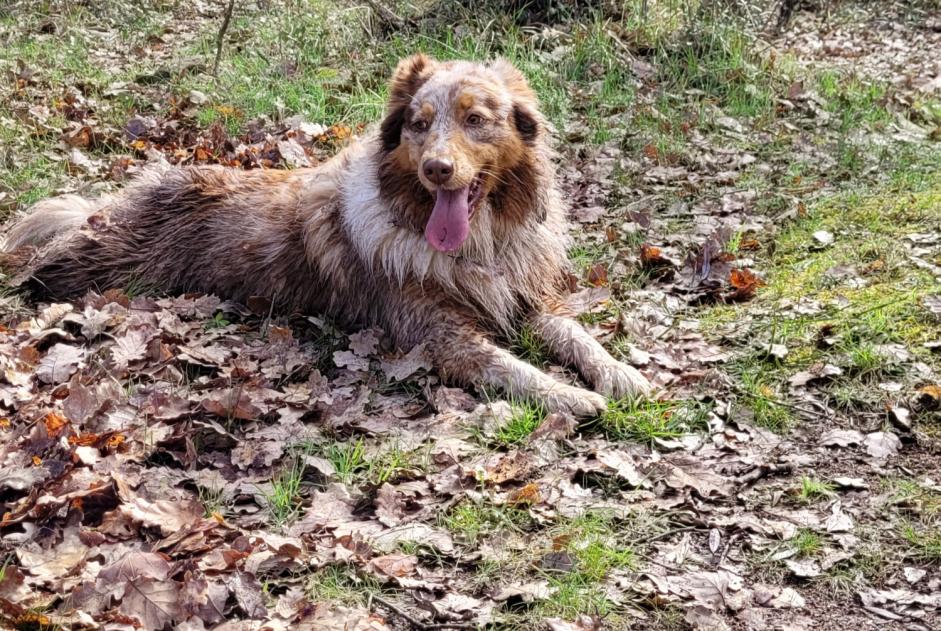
167	461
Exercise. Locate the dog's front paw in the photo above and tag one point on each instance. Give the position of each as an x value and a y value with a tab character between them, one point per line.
618	380
575	401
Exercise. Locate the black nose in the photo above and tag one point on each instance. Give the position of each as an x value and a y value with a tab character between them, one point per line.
438	170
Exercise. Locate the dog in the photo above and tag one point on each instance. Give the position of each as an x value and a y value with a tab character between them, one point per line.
443	225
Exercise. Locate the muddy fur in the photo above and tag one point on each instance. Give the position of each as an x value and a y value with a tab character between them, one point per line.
346	238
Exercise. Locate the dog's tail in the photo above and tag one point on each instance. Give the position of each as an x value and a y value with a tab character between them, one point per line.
48	219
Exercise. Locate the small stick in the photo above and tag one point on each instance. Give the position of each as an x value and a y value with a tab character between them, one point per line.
220	38
418	624
765	470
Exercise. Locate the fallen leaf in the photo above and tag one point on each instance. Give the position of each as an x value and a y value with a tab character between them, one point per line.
59	363
882	445
744	284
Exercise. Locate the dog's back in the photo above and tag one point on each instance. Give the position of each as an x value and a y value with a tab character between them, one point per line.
208	229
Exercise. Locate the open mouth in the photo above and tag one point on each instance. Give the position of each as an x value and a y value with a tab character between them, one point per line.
475	194
449	224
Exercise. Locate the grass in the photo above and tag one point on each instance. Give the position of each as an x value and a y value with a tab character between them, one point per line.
283	498
341	585
812	490
857	318
471	521
869	565
924	542
760	396
911	495
355	465
529	346
525	417
646	421
806	542
215	501
347	457
594	543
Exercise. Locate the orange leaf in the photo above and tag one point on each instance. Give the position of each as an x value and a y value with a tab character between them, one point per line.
932	392
598	275
55	424
31	620
115	440
652	256
37	461
84	440
744	278
529	494
744	284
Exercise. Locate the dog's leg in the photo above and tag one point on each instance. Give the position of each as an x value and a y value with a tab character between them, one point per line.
573	345
464	355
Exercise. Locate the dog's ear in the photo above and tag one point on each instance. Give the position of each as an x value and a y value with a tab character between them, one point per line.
525	122
390	131
409	75
525	116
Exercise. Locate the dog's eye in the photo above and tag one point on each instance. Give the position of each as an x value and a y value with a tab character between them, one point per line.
420	125
474	119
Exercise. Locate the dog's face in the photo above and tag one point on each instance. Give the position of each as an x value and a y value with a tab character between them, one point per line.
461	131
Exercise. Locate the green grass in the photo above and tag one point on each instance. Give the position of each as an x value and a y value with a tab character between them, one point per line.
912	496
854	101
806	542
348	458
472	521
283	499
722	64
644	420
594	540
529	346
761	397
596	546
341	585
924	541
525	417
354	465
215	501
869	222
812	490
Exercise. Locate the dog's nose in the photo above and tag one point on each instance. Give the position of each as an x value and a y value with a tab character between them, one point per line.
438	170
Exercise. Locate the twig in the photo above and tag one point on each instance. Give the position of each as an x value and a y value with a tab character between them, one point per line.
220	38
666	534
719	557
764	470
418	624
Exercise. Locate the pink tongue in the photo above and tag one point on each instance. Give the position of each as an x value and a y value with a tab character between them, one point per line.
450	220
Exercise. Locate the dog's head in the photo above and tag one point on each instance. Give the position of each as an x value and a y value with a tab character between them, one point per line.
456	134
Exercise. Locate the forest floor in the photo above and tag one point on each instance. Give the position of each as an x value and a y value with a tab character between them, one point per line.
757	219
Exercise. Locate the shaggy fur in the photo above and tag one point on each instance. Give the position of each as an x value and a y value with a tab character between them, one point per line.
346	238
